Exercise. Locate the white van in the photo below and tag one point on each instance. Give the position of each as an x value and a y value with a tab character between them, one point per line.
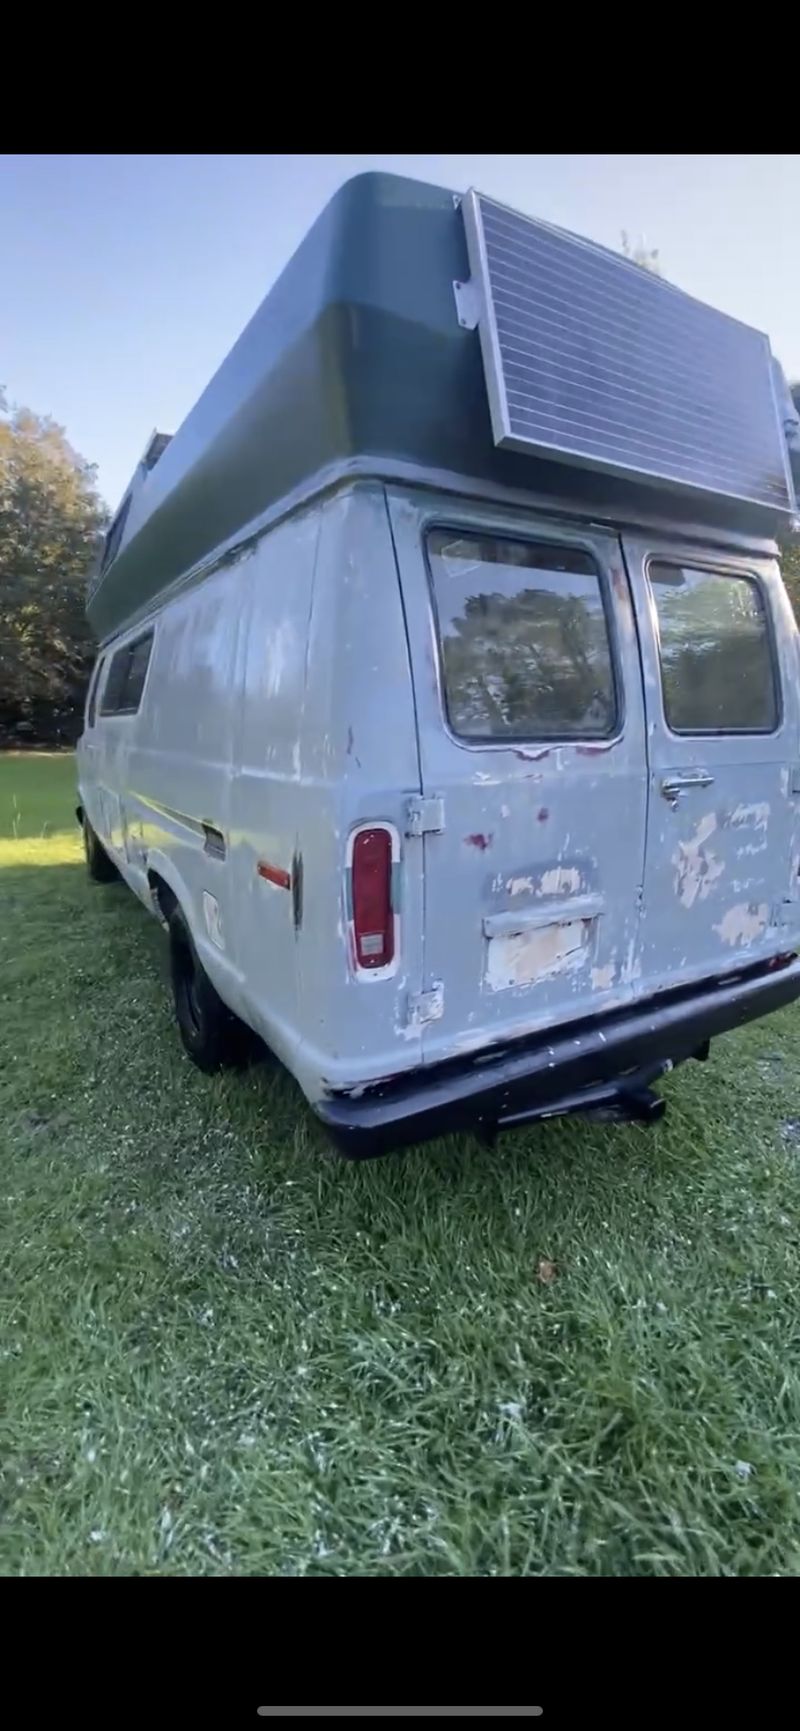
446	709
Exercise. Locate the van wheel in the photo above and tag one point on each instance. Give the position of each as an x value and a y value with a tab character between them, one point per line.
207	1027
101	869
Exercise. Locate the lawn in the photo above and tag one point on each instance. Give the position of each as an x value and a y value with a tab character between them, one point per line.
225	1351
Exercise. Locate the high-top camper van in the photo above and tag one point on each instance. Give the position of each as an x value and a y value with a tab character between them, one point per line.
446	705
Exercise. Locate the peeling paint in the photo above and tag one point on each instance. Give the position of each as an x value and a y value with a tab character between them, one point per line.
560	880
525	957
505	811
515	886
602	978
632	966
743	924
746	815
696	867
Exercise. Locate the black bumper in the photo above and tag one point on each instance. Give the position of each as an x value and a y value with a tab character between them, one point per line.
586	1066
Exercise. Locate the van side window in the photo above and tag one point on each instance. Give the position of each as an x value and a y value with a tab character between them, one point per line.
94	685
524	638
126	676
717	669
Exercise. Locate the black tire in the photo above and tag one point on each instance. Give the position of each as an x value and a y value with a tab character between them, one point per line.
208	1029
101	869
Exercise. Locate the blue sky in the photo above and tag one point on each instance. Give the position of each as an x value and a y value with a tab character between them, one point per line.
126	279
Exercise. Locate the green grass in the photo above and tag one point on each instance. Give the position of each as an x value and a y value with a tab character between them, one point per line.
224	1351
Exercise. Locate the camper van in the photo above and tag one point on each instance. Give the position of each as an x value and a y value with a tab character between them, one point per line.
446	705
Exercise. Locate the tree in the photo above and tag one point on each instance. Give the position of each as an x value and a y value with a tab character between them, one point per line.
51	522
640	253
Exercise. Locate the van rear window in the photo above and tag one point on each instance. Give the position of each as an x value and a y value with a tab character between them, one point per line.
524	638
717	669
124	685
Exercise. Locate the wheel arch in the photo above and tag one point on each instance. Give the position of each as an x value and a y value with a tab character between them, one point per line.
167	889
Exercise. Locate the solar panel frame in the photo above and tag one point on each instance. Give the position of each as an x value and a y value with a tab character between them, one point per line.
579	430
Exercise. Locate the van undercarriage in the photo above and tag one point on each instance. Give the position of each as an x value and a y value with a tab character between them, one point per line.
605	1067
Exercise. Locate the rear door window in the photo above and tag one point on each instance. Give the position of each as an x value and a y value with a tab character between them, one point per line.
717	667
524	638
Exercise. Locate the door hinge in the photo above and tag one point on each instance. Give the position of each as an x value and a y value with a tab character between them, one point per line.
426	1006
424	816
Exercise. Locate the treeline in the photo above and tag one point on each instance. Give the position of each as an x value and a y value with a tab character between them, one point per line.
51	526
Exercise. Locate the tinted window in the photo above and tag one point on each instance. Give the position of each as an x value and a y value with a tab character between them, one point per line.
524	639
126	676
115	682
137	670
716	662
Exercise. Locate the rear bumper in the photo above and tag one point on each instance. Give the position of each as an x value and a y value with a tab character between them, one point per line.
584	1066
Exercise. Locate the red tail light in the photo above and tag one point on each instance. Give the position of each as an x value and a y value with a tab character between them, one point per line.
373	915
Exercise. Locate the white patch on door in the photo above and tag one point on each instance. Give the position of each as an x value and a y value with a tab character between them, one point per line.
747	816
560	881
213	919
743	924
696	867
522	958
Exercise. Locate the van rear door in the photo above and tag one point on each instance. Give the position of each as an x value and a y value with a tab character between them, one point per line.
530	714
719	656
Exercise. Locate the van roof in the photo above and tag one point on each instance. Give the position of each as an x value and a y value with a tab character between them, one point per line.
355	358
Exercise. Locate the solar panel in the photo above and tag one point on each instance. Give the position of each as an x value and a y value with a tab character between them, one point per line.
591	359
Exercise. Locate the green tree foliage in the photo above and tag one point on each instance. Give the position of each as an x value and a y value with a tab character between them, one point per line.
790	566
51	522
790	558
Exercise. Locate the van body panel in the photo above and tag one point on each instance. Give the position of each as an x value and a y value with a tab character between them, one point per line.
532	887
723	847
358	764
297	693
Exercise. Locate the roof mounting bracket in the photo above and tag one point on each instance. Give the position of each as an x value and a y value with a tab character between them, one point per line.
468	303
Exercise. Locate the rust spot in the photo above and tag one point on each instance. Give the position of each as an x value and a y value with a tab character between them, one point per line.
542	814
479	841
533	756
591	750
618	581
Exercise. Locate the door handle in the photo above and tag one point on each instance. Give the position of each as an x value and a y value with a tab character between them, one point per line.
674	785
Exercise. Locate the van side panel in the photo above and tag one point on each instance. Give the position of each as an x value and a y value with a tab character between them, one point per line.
357	763
265	796
175	783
